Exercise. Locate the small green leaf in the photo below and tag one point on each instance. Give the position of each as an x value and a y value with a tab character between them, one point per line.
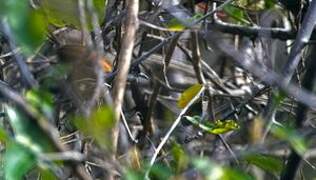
41	100
270	3
290	135
196	120
159	171
255	5
211	170
236	174
181	160
188	95
278	96
27	131
236	13
180	24
223	126
175	25
46	174
61	13
98	125
218	127
269	163
131	174
3	136
18	161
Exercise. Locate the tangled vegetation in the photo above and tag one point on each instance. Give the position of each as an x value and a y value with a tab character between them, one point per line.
157	89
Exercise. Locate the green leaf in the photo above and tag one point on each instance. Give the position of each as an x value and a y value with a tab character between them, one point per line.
256	5
3	136
270	3
98	125
269	163
213	171
180	158
278	96
46	174
290	135
27	132
236	13
223	126
218	127
18	161
61	13
230	173
41	100
180	24
175	25
27	25
29	144
131	174
159	171
188	95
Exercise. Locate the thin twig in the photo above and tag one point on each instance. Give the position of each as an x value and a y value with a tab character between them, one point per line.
26	75
196	58
73	156
268	76
128	129
254	31
174	125
165	41
168	57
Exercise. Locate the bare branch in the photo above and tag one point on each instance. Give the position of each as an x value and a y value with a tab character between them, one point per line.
124	61
302	38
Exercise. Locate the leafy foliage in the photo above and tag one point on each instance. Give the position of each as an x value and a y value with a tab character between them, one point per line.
181	159
18	161
218	127
211	170
188	94
62	13
50	131
290	135
27	131
256	5
41	100
28	25
177	24
98	125
269	163
24	151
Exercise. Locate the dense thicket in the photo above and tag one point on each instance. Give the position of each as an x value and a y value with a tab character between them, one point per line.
157	89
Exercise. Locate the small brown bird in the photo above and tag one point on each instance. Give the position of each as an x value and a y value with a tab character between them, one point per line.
81	64
78	54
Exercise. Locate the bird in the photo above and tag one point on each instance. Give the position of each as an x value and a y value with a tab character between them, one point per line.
80	63
76	67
